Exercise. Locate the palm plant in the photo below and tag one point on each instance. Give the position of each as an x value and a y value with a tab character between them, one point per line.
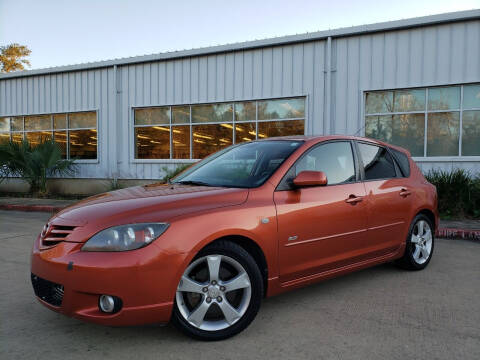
34	164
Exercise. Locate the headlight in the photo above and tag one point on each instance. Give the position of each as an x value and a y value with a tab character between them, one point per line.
125	237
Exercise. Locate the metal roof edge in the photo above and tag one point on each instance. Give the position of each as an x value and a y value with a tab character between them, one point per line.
283	40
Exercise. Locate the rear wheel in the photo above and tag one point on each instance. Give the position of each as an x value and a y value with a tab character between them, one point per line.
419	247
219	293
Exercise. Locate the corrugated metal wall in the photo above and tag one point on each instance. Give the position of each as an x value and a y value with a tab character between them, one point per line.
433	55
293	70
68	92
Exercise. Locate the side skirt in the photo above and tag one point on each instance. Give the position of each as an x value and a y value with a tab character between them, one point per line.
276	287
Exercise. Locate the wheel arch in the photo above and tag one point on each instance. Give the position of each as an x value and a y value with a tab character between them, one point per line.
430	215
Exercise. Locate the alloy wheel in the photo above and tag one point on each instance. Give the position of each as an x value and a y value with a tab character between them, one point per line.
214	292
422	240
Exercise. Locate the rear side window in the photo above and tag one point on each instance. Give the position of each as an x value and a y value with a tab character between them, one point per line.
377	162
402	161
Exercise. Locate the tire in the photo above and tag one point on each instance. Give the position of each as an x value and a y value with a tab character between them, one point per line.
204	300
419	244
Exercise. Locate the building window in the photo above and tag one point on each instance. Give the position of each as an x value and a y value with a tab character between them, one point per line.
76	133
196	131
432	122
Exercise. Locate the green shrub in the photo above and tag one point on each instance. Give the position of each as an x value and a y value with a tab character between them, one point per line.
34	164
458	193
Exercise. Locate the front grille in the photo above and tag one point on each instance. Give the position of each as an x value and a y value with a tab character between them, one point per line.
56	234
48	291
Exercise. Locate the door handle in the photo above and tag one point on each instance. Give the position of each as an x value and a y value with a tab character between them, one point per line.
353	199
404	193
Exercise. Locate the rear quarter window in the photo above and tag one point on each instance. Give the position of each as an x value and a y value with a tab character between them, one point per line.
402	161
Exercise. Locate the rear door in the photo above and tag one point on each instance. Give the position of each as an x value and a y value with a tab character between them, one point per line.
321	227
389	199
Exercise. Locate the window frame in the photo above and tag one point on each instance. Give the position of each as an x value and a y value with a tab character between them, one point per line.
284	186
67	130
425	112
132	140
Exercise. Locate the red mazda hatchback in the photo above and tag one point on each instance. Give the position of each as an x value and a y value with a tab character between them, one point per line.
253	220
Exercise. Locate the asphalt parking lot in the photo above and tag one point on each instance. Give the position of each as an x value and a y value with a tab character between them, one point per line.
378	313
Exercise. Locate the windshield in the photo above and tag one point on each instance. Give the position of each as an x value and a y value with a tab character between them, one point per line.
246	165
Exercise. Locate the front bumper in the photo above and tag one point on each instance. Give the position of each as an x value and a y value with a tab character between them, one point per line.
144	279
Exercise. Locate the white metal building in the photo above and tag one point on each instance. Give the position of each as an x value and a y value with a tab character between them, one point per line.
413	82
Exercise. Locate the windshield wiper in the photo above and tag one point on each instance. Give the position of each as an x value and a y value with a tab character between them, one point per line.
192	182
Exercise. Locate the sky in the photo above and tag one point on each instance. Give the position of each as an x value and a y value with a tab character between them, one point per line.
64	32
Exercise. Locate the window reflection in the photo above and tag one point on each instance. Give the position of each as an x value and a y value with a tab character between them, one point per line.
409	100
379	102
443	134
280	128
471	133
38	122
60	137
245	111
4	137
180	114
245	132
444	98
82	120
37	137
212	113
17	137
208	139
281	109
17	123
152	142
406	130
471	97
190	139
83	144
334	159
40	128
60	121
5	124
152	116
181	142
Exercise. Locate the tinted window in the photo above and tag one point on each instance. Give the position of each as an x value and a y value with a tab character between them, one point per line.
377	162
334	159
402	161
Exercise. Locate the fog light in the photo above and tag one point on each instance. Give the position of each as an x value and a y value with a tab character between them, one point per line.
109	304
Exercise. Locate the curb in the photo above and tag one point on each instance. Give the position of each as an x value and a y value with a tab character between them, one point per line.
450	233
39	208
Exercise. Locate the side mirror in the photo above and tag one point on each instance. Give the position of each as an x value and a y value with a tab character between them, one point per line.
310	178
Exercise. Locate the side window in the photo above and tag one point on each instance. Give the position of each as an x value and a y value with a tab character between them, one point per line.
335	159
377	162
402	161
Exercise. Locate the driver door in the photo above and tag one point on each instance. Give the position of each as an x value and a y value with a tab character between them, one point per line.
323	227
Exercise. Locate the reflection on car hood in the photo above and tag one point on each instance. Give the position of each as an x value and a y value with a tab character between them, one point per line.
149	203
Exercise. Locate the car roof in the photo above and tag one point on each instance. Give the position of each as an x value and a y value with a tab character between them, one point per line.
320	138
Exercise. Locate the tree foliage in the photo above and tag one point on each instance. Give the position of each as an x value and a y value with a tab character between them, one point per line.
13	57
34	164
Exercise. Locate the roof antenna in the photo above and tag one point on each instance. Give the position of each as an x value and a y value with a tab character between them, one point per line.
360	129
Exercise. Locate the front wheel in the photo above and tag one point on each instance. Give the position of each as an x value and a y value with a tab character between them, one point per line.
219	293
419	247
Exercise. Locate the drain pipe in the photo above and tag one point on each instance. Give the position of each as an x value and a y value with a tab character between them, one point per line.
328	89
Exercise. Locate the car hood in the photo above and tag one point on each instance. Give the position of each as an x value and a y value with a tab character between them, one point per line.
153	203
